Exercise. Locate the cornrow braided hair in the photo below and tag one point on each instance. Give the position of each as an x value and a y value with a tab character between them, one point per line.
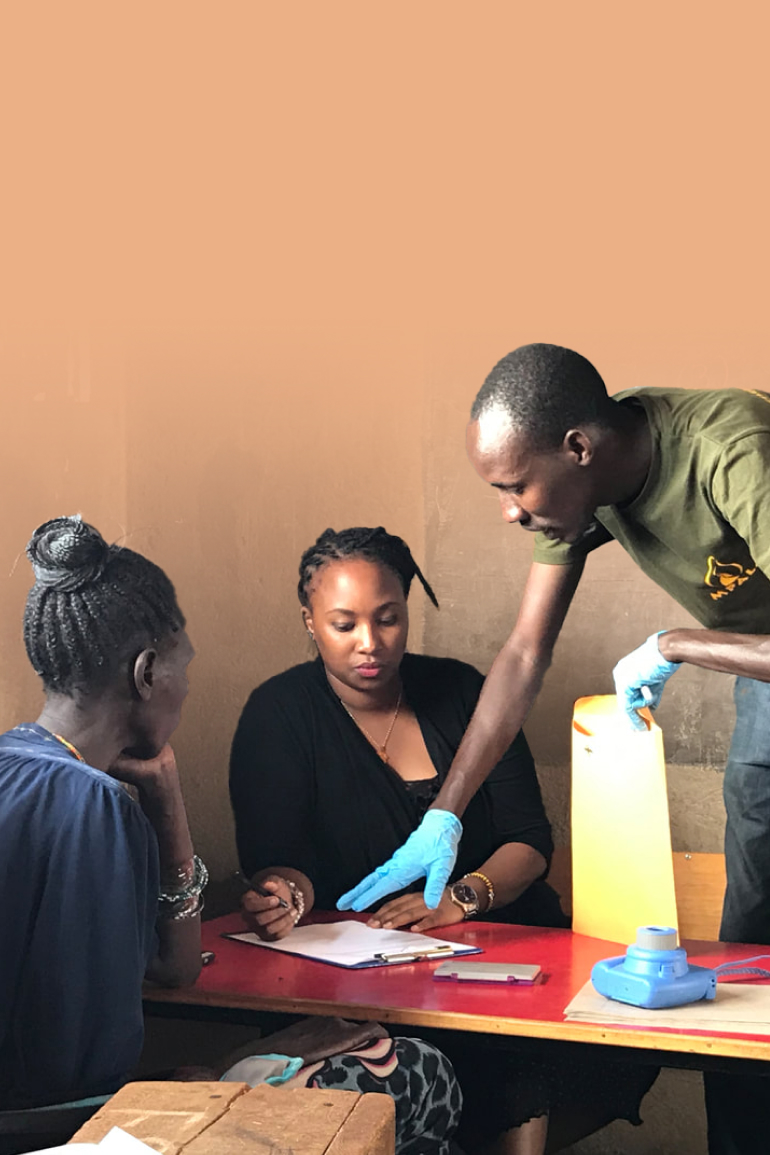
93	606
373	544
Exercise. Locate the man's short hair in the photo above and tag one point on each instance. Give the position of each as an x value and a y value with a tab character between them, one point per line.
544	390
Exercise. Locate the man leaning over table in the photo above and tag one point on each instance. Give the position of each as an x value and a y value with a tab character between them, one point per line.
677	476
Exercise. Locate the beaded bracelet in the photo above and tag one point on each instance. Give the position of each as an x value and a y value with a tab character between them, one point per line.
490	888
297	897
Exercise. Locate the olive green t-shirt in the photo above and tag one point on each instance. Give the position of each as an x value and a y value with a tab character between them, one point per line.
700	527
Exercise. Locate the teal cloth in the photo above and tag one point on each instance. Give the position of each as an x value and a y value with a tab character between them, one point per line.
256	1069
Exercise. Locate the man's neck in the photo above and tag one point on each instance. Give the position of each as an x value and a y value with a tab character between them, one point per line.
627	456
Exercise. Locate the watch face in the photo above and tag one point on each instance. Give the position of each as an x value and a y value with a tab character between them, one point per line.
465	896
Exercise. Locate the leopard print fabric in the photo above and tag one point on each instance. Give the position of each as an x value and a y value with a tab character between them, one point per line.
416	1075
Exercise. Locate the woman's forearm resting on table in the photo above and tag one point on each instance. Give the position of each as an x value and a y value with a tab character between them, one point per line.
497	882
511	870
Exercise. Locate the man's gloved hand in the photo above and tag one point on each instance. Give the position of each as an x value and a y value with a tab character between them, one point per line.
640	678
431	850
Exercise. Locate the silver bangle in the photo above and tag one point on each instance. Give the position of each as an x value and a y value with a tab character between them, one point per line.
183	910
174	898
182	875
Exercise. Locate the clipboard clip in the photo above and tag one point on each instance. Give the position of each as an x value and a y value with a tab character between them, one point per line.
416	955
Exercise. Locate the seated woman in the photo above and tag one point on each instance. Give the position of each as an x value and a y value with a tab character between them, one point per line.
333	765
99	891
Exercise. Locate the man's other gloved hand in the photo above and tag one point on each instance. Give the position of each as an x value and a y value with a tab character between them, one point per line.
431	850
640	678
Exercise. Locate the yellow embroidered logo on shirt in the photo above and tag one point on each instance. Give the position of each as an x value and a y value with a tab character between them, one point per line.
724	577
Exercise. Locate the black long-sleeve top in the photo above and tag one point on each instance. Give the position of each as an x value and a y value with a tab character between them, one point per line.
309	791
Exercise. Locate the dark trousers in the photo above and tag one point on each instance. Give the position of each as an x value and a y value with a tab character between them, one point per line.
738	1108
746	913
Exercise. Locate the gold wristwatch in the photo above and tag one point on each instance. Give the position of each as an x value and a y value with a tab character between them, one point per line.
464	895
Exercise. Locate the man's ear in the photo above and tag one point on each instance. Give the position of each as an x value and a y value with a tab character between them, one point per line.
579	446
144	674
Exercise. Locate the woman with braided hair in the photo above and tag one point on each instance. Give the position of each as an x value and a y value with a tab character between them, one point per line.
337	759
98	891
334	764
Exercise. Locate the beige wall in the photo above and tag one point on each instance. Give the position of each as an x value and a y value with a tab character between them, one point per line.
221	463
257	259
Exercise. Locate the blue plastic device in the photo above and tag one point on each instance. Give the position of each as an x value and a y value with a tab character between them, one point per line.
654	973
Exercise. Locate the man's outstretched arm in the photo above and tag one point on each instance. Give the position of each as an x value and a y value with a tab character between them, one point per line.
510	689
512	683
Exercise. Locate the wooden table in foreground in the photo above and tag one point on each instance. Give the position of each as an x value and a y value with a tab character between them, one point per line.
209	1118
249	978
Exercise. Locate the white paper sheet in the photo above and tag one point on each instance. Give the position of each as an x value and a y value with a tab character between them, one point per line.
115	1142
351	944
119	1142
739	1008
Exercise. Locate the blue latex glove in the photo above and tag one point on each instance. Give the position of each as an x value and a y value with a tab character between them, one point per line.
431	850
640	678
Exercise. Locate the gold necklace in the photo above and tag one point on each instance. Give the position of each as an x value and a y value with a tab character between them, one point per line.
381	749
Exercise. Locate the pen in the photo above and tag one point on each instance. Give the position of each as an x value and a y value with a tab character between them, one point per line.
416	955
261	890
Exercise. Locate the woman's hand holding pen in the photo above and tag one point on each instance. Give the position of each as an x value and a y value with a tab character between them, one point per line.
271	915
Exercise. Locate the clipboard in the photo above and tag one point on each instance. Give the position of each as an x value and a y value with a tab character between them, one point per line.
356	946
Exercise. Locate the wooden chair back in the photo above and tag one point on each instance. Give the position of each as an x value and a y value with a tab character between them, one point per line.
699	880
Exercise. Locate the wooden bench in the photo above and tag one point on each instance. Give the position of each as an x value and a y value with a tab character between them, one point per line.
212	1118
699	880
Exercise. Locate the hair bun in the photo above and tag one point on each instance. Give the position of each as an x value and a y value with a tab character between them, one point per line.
67	553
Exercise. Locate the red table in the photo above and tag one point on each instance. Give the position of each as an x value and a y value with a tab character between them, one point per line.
244	977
